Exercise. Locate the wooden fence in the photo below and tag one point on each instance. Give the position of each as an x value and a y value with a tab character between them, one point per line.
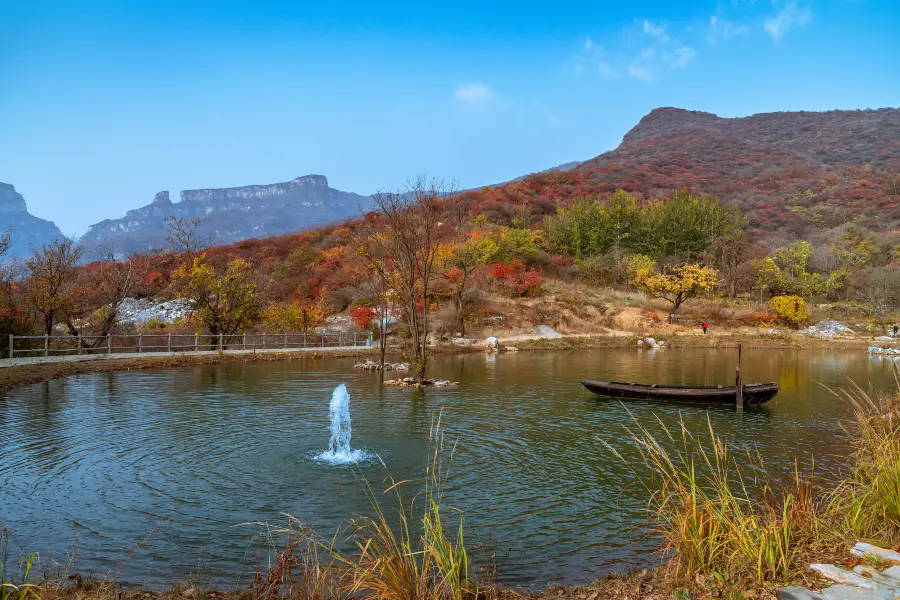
140	343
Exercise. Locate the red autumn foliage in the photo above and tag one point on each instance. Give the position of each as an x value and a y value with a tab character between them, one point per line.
515	279
362	316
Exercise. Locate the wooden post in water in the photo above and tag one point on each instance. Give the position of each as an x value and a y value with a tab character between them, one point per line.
739	382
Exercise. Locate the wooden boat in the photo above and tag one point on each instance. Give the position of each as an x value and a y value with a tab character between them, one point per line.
754	393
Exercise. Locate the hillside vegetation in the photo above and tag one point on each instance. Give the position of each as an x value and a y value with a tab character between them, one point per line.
798	207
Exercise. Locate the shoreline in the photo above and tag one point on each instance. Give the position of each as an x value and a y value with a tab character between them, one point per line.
16	375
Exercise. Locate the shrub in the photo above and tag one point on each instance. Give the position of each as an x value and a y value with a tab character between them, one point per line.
362	316
765	319
513	278
792	310
155	323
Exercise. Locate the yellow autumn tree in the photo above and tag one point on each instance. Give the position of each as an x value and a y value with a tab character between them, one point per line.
792	310
678	285
226	303
293	317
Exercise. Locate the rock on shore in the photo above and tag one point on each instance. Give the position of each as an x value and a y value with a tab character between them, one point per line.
412	382
371	365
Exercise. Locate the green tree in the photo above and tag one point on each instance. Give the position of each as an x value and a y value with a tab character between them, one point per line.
683	226
788	273
591	227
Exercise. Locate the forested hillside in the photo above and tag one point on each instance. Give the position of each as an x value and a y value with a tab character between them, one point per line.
795	207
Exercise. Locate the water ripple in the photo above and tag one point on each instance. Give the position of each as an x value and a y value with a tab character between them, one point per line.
158	468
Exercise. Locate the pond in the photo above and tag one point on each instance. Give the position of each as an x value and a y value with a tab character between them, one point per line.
151	475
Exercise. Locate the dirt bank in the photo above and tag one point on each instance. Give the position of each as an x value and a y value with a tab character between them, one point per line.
11	377
789	340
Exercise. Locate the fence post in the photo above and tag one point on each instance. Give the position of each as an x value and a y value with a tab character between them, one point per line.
46	345
285	340
196	342
109	343
12	346
169	343
140	343
244	342
264	341
78	341
221	341
369	340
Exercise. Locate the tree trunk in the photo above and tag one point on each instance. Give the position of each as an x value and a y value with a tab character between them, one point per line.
420	375
459	304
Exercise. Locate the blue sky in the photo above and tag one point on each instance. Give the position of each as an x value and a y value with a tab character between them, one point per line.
104	104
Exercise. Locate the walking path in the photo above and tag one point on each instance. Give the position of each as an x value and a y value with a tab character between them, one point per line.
41	360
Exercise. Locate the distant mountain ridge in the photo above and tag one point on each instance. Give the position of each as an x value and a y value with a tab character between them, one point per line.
27	230
230	214
796	175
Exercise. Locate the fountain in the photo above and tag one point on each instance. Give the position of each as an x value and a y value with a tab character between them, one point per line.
339	452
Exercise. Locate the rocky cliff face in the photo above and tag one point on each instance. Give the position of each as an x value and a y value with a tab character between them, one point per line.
27	230
231	214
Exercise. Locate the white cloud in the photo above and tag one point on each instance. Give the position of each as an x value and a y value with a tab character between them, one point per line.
657	31
681	56
607	71
473	93
722	29
790	16
646	51
640	73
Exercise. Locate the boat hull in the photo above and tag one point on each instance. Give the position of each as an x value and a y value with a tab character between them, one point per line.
754	393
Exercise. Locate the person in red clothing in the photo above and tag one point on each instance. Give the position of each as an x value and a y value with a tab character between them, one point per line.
704	326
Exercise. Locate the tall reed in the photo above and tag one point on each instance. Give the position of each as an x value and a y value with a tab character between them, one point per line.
409	562
720	514
868	500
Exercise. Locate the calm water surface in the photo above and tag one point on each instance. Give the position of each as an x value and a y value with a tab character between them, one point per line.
153	472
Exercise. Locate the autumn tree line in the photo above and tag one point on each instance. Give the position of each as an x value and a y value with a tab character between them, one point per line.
422	263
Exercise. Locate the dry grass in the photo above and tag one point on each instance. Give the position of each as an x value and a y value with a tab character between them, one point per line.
868	501
723	517
408	562
719	514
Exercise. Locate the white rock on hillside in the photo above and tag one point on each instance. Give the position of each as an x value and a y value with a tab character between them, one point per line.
140	311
